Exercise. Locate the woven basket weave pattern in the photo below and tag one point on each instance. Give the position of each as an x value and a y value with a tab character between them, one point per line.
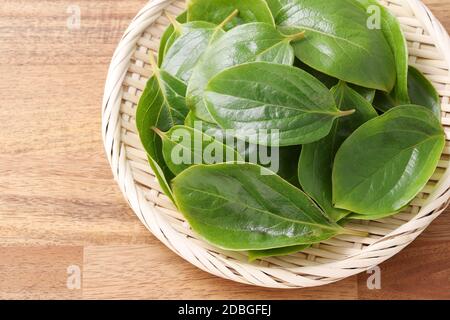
321	264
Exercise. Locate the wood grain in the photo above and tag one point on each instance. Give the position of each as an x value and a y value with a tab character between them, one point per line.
421	271
38	272
59	205
123	272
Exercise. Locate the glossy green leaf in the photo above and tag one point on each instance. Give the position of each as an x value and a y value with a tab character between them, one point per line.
366	93
287	157
347	98
356	216
394	35
189	47
168	37
162	176
421	92
241	207
329	82
162	105
262	254
246	43
385	163
338	41
211	129
216	11
285	99
288	164
184	146
383	101
316	160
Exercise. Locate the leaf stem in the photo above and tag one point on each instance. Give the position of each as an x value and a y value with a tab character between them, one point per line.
228	19
161	134
173	21
347	113
296	36
153	63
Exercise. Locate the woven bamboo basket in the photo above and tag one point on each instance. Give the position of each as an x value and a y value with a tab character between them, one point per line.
324	263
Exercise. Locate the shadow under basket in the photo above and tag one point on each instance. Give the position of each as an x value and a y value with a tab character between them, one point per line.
324	263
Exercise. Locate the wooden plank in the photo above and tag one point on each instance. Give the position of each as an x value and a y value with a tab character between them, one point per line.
154	272
421	271
55	172
57	194
39	272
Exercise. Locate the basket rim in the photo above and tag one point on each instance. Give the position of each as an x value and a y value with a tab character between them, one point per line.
111	127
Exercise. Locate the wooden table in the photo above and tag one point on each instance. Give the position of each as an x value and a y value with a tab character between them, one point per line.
60	208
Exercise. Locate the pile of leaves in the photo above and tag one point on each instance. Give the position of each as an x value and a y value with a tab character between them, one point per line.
355	129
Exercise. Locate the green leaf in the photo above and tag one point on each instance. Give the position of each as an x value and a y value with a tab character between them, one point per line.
316	160
162	177
216	11
366	93
246	43
329	82
168	37
421	92
347	98
211	129
162	105
338	41
184	146
383	101
287	157
385	163
189	47
356	216
242	207
261	254
286	99
288	163
394	35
